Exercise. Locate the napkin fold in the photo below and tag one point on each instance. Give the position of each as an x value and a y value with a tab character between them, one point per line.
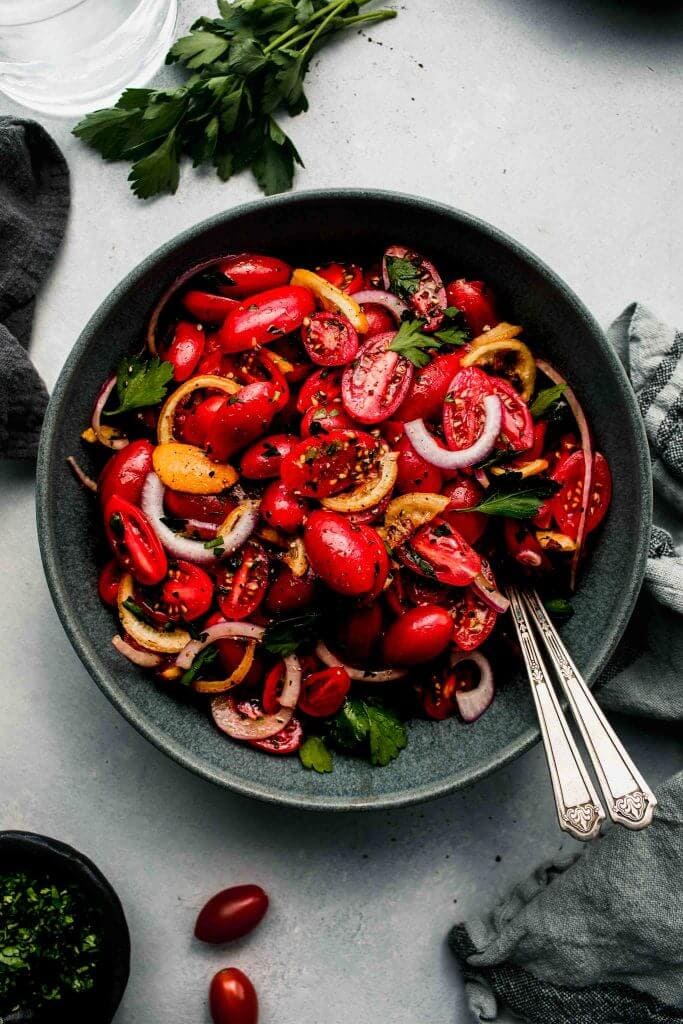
598	938
34	203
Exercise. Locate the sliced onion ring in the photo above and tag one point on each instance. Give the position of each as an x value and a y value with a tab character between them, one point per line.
359	675
473	703
239	525
166	296
180	547
145	659
370	492
235	677
387	300
81	475
206	380
221	631
431	451
228	719
147	636
489	594
106	436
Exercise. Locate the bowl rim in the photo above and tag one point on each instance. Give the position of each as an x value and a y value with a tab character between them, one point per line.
88	654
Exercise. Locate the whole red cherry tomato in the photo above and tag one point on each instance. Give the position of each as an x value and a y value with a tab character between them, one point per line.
438	552
464	493
196	425
232	422
187	592
430	386
358	631
324	692
463	408
567	503
134	542
207	308
517	426
248	273
207	508
231	913
344	555
319	467
321	419
286	741
185	349
476	303
414	474
231	653
288	592
329	339
419	635
281	509
125	473
322	387
347	277
232	998
266	317
379	319
262	460
377	381
242	581
108	582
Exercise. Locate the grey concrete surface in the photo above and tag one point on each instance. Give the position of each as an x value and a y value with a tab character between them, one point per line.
559	122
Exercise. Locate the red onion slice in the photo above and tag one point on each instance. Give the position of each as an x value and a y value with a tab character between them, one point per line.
359	675
473	703
81	475
145	659
229	719
481	478
96	419
387	300
428	448
587	449
489	594
221	631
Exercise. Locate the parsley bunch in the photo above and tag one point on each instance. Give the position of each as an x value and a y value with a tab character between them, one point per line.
244	66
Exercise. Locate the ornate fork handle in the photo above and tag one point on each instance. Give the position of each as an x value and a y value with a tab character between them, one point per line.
579	810
630	801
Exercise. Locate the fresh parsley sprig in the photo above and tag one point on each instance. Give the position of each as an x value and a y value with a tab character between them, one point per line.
517	497
546	399
314	754
369	728
411	342
141	382
243	66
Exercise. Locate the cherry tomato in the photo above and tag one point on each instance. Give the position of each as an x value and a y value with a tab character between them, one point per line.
322	387
281	509
379	557
476	303
428	300
517	427
207	508
324	692
567	503
288	592
108	583
522	545
358	631
463	409
321	419
464	493
242	581
473	620
430	386
125	473
396	594
234	421
195	425
272	688
380	320
185	349
319	467
377	381
134	542
207	308
438	552
232	998
187	592
286	741
329	339
419	635
265	317
438	700
345	556
347	277
536	451
231	652
248	273
414	474
263	459
231	913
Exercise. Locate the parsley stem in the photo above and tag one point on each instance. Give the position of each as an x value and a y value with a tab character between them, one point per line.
276	43
337	9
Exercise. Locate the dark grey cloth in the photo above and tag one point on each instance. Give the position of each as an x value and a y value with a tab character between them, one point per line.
34	204
598	938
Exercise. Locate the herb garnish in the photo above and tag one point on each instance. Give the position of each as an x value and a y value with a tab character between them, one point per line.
416	346
141	382
205	657
404	277
314	754
420	563
517	497
284	636
544	400
243	66
558	607
134	608
370	728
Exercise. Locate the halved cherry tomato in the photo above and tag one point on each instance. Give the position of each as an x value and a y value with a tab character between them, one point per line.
463	409
242	581
282	509
517	427
324	692
567	503
476	303
272	688
231	913
438	552
473	620
262	460
379	319
207	308
414	474
207	508
265	317
419	635
134	542
248	273
322	387
288	592
185	349
329	339
377	381
319	467
438	699
522	545
428	300
321	419
430	386
231	653
287	741
358	631
232	998
464	493
187	592
108	582
125	473
347	277
349	558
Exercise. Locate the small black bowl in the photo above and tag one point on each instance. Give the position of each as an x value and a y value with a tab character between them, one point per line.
26	851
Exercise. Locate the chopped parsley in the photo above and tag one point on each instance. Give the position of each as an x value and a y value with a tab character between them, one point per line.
413	344
315	755
205	657
558	607
141	382
546	399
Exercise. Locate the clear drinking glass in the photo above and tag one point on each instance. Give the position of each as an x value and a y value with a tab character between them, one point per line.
66	57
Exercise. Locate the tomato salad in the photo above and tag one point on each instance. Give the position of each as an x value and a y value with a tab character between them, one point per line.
315	482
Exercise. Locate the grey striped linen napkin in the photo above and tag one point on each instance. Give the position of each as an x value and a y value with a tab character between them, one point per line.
598	938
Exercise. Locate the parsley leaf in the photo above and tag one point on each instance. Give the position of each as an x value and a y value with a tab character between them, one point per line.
141	382
412	343
205	657
404	277
517	497
273	164
558	607
545	399
284	636
157	172
452	335
197	49
421	564
370	728
314	754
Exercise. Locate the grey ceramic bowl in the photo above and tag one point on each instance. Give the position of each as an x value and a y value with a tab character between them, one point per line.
440	757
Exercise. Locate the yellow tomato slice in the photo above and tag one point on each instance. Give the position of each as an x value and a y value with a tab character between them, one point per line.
296	558
510	359
235	677
532	468
168	410
370	492
332	297
553	540
407	513
184	467
501	332
147	636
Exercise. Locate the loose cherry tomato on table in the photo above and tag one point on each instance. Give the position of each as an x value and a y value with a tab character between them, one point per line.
320	467
125	473
282	509
438	552
242	581
324	692
567	503
185	349
134	542
187	592
231	913
321	387
517	426
248	273
108	582
262	460
358	631
232	998
321	419
349	558
476	303
463	494
377	381
428	299
419	635
347	277
288	593
329	339
207	308
463	409
430	385
379	319
266	317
